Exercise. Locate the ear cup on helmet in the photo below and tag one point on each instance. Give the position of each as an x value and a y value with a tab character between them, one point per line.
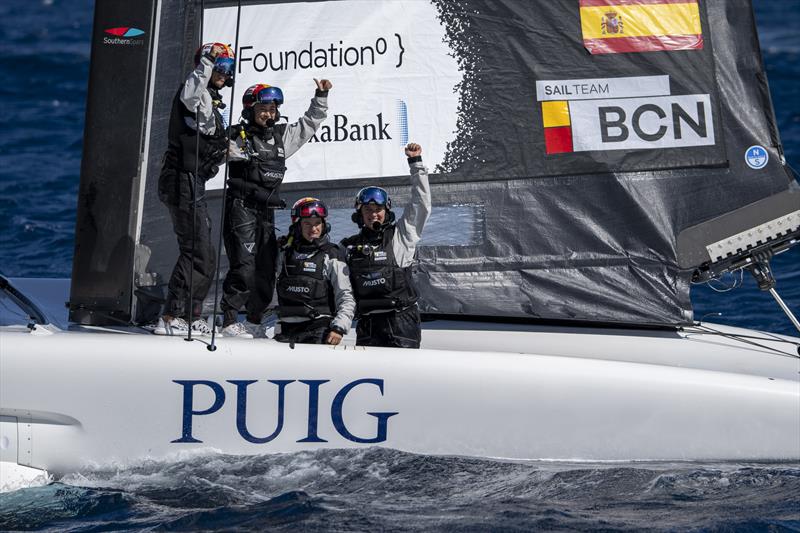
356	217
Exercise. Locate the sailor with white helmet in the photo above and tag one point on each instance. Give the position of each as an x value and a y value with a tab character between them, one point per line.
380	257
315	299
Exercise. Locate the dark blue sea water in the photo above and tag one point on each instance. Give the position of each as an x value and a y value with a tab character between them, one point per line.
45	44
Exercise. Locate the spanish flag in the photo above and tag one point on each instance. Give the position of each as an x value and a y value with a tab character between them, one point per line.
618	26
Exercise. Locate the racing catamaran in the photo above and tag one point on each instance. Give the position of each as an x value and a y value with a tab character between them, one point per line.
590	160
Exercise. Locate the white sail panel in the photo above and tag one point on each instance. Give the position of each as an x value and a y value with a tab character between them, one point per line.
393	74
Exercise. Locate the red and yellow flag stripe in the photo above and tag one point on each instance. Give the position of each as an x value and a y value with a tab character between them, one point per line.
617	26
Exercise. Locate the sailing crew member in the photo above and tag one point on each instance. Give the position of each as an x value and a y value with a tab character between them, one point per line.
253	187
315	299
380	257
197	144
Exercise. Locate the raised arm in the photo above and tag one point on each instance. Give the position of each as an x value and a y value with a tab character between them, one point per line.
195	92
298	133
416	213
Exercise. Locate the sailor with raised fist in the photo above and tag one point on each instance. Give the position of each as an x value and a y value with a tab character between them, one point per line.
255	175
380	257
197	142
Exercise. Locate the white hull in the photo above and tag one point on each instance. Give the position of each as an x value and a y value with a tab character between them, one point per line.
74	398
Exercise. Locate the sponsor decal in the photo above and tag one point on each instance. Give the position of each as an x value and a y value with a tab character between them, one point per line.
328	55
124	35
620	26
249	246
635	113
402	122
193	409
125	31
387	91
344	129
309	266
374	282
298	289
380	256
756	157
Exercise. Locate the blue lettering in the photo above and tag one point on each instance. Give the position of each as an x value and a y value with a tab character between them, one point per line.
241	409
313	409
188	401
338	420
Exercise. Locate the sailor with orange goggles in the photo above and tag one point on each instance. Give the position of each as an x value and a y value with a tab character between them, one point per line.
315	299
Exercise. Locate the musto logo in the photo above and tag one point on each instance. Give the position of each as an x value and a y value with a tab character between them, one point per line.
311	398
124	35
636	113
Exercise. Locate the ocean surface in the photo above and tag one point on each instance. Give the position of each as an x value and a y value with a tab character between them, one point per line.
45	44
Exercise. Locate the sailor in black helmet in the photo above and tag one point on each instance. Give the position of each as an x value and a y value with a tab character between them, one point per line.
315	300
253	193
380	259
190	161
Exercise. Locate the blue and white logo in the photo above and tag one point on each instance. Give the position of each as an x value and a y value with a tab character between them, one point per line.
756	157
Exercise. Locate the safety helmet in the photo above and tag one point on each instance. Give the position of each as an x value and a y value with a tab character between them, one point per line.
224	62
308	207
261	93
373	195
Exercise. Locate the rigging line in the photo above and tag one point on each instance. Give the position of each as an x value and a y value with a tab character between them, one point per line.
709	331
12	312
193	185
743	340
213	346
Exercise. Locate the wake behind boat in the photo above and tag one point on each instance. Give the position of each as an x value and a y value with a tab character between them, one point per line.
590	176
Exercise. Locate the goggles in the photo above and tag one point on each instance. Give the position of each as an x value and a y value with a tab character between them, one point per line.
225	65
373	195
313	208
269	95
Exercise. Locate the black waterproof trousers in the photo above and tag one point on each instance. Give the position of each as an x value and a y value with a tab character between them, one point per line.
196	251
310	332
252	251
394	330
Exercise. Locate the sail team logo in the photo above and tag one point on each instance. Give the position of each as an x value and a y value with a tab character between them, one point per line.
124	35
634	113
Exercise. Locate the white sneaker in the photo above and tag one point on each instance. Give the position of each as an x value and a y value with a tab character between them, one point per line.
200	327
176	326
237	329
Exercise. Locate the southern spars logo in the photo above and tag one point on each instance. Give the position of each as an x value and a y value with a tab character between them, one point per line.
123	35
636	113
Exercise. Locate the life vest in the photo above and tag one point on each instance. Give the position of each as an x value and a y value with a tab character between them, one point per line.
258	179
380	285
184	144
303	291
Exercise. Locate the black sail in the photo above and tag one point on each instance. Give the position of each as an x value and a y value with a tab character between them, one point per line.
595	162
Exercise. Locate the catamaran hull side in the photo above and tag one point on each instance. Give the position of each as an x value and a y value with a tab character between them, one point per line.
86	398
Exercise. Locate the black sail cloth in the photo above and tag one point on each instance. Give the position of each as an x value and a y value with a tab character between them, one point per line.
587	235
